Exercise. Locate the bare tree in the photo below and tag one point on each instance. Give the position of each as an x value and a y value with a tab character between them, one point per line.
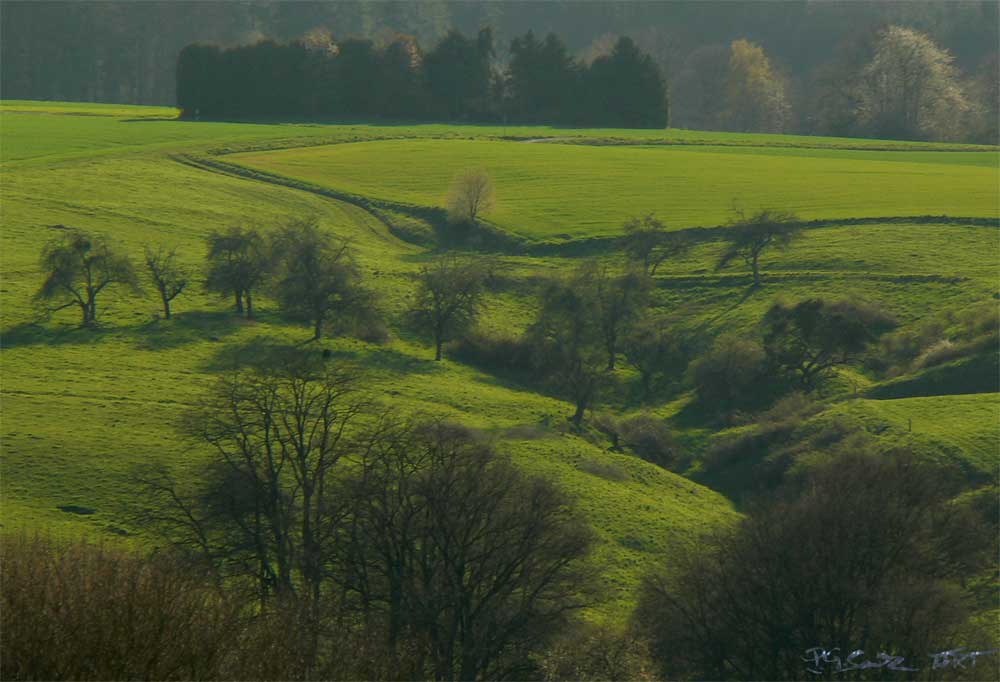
78	266
470	561
268	510
656	351
649	244
862	554
448	296
568	341
471	194
167	275
317	278
238	263
751	235
619	302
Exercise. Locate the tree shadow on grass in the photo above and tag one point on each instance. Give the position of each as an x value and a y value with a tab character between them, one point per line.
396	362
37	334
185	328
264	352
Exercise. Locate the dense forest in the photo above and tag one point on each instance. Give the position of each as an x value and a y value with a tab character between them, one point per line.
455	81
805	62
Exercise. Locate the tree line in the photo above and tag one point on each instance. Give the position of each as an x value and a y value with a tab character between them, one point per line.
891	82
310	274
457	80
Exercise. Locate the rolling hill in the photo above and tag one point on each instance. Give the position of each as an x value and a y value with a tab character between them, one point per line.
82	407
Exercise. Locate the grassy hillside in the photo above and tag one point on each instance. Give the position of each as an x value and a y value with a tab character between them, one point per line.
80	408
569	191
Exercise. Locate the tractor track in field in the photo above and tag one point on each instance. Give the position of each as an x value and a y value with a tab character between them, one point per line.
371	208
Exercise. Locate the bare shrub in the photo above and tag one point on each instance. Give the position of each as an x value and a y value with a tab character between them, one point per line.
86	611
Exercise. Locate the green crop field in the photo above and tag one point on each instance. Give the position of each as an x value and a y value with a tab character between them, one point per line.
80	408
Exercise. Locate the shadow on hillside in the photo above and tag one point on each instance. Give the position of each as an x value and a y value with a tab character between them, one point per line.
37	334
257	353
395	361
185	328
266	352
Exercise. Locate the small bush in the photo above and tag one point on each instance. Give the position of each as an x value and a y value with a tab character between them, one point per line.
606	470
731	374
82	611
942	351
650	439
591	652
946	337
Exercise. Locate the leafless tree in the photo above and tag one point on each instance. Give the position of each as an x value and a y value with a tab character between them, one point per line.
459	552
471	194
656	351
78	266
859	555
618	303
448	296
568	343
268	509
649	244
751	235
167	275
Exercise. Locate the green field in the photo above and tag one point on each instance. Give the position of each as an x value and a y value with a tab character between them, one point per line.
80	407
568	191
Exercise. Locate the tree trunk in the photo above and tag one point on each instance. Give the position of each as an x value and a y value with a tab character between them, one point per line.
166	306
581	407
437	347
249	305
239	300
318	329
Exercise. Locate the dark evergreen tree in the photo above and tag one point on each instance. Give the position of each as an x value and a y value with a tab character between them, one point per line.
626	89
458	75
544	80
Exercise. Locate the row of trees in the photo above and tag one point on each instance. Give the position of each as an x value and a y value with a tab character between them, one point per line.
457	80
309	272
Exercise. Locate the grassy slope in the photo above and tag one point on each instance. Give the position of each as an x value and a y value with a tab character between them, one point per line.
570	191
80	408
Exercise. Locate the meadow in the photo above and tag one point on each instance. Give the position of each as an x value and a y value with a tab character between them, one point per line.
82	407
567	191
